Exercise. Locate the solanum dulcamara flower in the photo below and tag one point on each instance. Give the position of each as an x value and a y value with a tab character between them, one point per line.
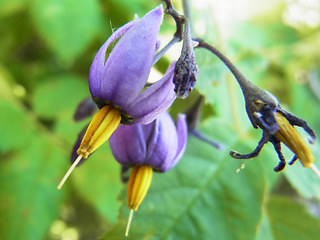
116	83
265	112
148	148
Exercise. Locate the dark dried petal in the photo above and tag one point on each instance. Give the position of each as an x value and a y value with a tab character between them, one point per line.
86	108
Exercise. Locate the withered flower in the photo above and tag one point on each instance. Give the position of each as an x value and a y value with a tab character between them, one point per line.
186	68
265	112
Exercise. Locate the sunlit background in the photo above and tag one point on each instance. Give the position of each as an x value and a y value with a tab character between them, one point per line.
46	48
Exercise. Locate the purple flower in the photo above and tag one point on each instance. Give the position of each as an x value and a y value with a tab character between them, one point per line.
159	144
118	80
116	83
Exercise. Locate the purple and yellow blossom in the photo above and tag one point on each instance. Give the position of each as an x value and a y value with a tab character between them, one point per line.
157	146
116	83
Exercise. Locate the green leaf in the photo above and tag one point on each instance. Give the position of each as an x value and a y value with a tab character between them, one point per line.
58	96
290	220
68	26
263	35
13	122
28	174
123	7
211	74
98	182
8	7
304	180
203	197
265	231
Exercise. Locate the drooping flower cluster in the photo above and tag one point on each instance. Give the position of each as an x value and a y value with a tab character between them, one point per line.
116	83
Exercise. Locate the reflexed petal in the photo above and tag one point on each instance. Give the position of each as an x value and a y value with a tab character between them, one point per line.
98	64
154	100
128	65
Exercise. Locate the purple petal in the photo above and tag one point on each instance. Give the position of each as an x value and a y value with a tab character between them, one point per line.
154	100
182	133
97	67
159	144
163	143
128	65
128	144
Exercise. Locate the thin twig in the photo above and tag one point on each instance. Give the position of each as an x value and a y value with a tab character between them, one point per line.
179	19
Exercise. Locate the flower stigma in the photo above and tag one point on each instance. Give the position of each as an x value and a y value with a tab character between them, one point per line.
103	124
138	186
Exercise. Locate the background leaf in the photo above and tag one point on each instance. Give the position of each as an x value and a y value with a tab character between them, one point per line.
67	26
290	220
29	199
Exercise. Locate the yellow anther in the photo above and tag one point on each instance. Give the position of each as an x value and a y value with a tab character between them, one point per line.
103	124
138	186
290	137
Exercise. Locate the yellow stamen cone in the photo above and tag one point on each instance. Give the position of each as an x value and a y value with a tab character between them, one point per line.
290	137
138	186
103	124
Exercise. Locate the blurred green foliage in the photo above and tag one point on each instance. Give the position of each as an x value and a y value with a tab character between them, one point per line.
46	48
